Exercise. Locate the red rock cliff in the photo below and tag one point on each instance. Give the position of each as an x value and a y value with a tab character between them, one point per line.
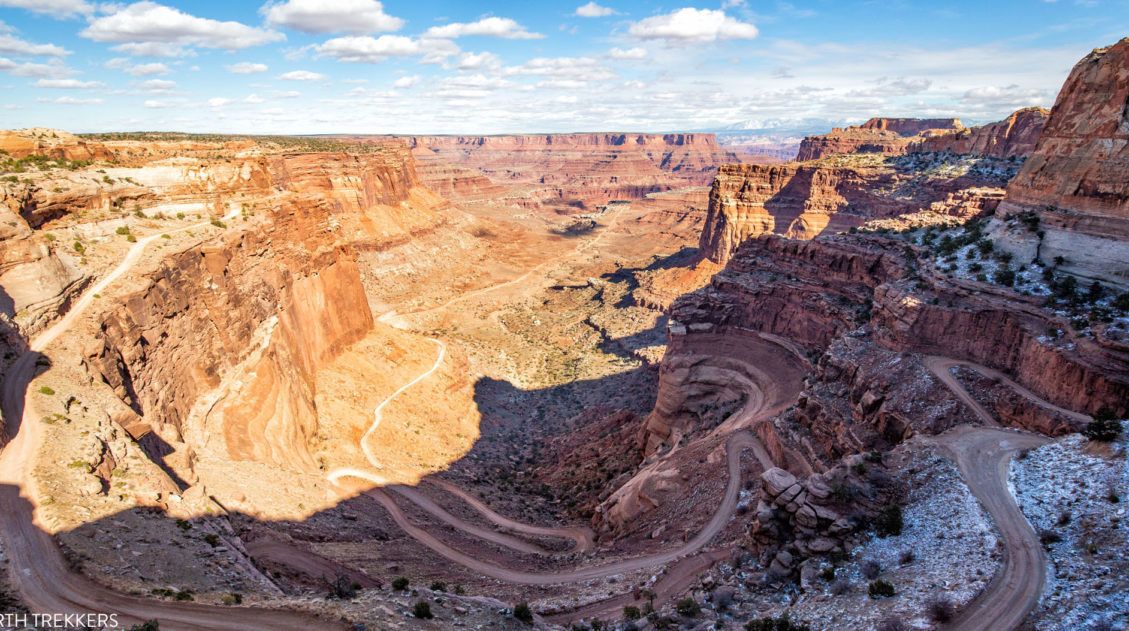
1015	136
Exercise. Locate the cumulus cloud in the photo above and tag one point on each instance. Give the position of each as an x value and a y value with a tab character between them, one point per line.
692	25
593	10
70	100
254	98
68	84
406	82
15	46
54	8
157	85
586	68
53	69
155	104
1010	96
339	16
504	28
151	22
474	61
137	70
218	102
301	75
246	67
153	49
365	49
630	53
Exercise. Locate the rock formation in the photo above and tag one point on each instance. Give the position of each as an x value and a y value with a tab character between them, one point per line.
1013	137
1074	183
883	136
579	169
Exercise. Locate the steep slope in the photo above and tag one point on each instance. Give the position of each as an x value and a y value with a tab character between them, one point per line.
882	136
1013	137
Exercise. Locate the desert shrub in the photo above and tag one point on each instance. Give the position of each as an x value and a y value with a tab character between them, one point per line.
1005	277
892	623
122	230
79	247
183	524
907	556
148	625
1121	303
343	588
523	612
783	623
631	612
880	589
827	573
1104	428
400	583
840	586
438	586
870	569
940	608
183	595
212	539
688	607
422	610
47	390
889	521
1048	536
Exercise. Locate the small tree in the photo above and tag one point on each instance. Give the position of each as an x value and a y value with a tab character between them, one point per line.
688	607
880	589
343	588
422	610
1104	428
523	612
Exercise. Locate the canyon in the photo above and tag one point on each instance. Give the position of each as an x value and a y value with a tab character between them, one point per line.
570	380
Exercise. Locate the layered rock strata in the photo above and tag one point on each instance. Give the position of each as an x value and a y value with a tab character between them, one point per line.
883	136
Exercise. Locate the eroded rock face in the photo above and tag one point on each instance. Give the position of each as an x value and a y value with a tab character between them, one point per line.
579	169
805	200
1013	137
1075	181
884	136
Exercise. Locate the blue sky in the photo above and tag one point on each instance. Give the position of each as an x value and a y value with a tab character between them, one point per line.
424	66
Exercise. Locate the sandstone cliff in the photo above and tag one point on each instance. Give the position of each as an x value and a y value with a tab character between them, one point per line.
1013	137
1074	183
884	136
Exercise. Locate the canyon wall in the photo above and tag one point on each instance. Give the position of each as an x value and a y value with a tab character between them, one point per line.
804	200
884	136
578	169
1013	137
1075	182
275	302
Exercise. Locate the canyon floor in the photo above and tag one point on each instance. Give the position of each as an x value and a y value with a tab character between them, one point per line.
285	383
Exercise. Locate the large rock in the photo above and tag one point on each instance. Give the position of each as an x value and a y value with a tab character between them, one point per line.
884	136
1013	137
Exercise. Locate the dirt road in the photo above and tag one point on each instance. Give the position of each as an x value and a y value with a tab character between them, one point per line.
37	569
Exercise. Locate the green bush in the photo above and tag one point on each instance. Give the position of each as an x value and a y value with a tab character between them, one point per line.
1104	428
149	625
523	612
889	521
122	230
631	612
219	224
438	586
783	623
688	607
422	611
47	390
880	589
400	584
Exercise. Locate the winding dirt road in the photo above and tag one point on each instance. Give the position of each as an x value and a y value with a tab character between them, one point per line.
36	566
983	455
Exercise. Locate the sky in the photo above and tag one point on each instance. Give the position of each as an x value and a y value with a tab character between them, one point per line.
427	66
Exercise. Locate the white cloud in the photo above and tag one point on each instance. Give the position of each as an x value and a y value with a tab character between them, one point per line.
376	49
301	75
593	10
586	68
254	98
406	82
218	102
137	70
1010	96
504	28
630	53
68	84
53	69
157	85
151	22
733	4
339	16
155	104
562	84
289	94
15	46
153	49
474	61
55	8
692	25
70	100
246	67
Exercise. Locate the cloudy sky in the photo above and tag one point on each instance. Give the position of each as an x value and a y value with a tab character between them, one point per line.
426	66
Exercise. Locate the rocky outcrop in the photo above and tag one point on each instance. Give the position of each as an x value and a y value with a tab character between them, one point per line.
1013	137
884	136
805	200
1075	183
584	170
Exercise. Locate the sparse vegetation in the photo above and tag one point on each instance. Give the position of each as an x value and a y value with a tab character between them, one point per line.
438	586
400	583
880	589
46	390
343	588
940	608
889	521
1103	428
422	610
630	612
523	612
783	623
688	607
